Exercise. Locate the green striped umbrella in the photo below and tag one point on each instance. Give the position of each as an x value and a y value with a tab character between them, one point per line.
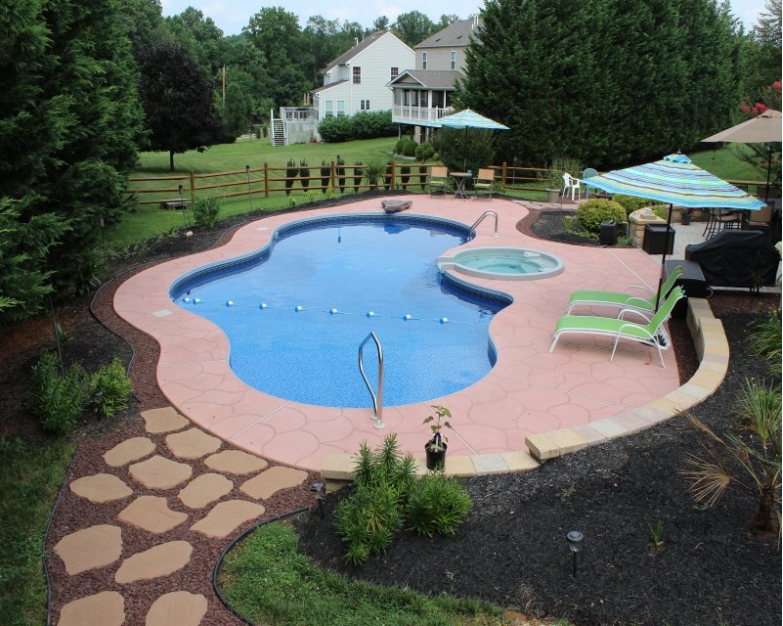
676	181
470	119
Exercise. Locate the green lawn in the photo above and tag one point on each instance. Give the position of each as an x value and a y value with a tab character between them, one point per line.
268	581
30	480
150	221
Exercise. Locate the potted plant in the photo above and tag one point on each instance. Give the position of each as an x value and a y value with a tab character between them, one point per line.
685	217
374	170
435	448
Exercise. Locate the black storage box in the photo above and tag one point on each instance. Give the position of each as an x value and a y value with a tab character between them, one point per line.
608	236
655	239
691	280
736	258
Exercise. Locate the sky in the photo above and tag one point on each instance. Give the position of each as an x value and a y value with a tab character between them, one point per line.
232	15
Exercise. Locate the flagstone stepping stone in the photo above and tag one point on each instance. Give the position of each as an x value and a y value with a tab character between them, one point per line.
90	548
205	490
235	462
178	608
274	479
161	560
152	514
128	451
192	444
106	608
163	420
226	517
160	473
100	488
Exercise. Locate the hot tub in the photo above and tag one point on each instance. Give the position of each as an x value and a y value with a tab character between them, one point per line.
502	263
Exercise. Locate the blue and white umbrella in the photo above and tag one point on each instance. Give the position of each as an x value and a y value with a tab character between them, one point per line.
470	119
675	180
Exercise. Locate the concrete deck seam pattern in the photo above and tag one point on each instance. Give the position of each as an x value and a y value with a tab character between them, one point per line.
148	509
338	468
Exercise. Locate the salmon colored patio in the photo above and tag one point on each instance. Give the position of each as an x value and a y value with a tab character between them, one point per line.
528	391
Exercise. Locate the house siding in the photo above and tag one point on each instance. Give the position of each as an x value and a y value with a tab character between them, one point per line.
376	61
440	58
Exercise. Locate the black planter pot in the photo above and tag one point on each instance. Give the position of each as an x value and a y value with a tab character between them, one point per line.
436	458
685	219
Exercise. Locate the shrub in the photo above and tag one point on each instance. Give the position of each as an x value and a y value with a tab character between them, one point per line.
56	399
409	147
358	174
553	177
405	175
374	170
368	520
631	203
340	173
592	213
326	173
291	170
304	174
110	388
437	504
424	151
765	340
206	212
363	125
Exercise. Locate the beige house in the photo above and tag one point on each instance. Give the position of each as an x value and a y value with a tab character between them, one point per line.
423	95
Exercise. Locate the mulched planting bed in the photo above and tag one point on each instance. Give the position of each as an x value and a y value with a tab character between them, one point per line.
512	548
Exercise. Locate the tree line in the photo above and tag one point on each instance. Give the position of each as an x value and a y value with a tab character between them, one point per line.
85	86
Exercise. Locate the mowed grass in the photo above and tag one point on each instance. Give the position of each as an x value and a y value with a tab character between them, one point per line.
268	581
150	221
30	478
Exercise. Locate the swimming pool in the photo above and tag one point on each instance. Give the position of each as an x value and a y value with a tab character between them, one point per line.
296	311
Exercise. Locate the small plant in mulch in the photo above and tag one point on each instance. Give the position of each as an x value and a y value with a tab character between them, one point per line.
750	460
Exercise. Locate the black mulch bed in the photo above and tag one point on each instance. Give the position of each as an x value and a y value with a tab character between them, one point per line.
512	548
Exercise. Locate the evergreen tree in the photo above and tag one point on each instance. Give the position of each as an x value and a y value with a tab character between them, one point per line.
69	123
607	82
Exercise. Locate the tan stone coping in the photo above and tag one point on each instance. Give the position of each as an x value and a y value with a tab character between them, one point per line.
712	348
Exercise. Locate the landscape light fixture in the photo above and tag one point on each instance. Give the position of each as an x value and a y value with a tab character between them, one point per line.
574	544
318	488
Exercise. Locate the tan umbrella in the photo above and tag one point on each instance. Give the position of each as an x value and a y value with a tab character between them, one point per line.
764	128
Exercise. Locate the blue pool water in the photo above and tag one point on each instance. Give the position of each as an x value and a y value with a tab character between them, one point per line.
300	308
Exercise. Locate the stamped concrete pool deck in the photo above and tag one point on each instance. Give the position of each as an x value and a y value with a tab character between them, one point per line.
532	406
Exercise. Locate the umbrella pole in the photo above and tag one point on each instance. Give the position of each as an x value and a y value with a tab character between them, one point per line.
769	172
663	257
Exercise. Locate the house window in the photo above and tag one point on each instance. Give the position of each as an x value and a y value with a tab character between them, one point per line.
328	111
357	75
424	60
365	105
395	72
454	60
340	108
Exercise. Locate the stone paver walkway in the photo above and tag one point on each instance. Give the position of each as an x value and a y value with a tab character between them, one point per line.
145	503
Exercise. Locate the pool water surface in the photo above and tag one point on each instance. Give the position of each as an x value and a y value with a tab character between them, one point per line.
296	312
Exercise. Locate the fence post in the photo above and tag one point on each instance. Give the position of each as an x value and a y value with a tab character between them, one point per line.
334	178
266	179
192	187
503	174
393	186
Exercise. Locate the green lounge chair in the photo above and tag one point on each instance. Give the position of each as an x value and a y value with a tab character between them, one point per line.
624	300
653	333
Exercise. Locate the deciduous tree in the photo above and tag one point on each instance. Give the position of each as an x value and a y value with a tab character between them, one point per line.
180	113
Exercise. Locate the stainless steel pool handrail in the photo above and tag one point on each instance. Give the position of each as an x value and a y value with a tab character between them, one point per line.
481	219
377	401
